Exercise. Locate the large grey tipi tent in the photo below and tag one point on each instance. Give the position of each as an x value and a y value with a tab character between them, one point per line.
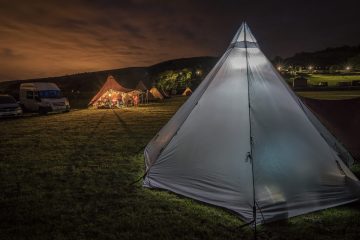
245	142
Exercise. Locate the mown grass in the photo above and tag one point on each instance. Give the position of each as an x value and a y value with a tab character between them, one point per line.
330	95
332	80
67	176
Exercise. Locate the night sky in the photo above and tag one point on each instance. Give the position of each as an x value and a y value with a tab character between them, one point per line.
48	38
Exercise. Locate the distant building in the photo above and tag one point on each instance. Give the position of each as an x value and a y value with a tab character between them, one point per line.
300	82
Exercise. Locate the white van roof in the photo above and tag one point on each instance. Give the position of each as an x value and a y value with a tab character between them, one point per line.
40	86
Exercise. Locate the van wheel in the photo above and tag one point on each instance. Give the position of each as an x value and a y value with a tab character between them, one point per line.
42	111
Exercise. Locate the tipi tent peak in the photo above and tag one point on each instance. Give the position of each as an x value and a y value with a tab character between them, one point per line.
141	86
263	154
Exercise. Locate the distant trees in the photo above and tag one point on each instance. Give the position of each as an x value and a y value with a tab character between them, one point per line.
334	58
184	80
175	79
167	80
354	62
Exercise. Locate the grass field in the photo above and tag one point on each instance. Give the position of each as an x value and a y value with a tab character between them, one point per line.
330	95
332	80
67	176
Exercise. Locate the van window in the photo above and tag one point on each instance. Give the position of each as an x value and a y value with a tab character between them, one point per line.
29	94
50	94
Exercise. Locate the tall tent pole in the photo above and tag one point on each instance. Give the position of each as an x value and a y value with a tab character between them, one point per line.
251	138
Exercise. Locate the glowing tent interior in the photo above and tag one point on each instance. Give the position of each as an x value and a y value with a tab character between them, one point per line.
263	155
154	93
111	93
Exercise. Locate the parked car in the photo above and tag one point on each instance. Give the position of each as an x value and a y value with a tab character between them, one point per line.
43	97
9	107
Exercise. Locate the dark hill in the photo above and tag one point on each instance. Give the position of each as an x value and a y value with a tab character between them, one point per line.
204	63
329	57
84	85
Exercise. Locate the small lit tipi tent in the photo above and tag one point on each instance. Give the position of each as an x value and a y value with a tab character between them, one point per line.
154	93
187	92
245	142
111	88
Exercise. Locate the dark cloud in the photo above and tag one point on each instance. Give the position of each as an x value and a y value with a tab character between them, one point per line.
132	30
9	54
44	38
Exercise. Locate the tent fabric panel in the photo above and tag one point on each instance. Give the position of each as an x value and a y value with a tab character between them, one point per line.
325	133
208	157
236	37
288	146
249	35
163	137
244	35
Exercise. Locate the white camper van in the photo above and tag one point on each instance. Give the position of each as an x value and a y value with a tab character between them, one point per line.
43	97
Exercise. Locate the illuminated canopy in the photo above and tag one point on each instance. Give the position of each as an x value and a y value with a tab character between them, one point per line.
244	141
110	84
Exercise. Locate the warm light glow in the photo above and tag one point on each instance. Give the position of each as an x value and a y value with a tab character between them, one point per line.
348	68
109	94
279	68
310	67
